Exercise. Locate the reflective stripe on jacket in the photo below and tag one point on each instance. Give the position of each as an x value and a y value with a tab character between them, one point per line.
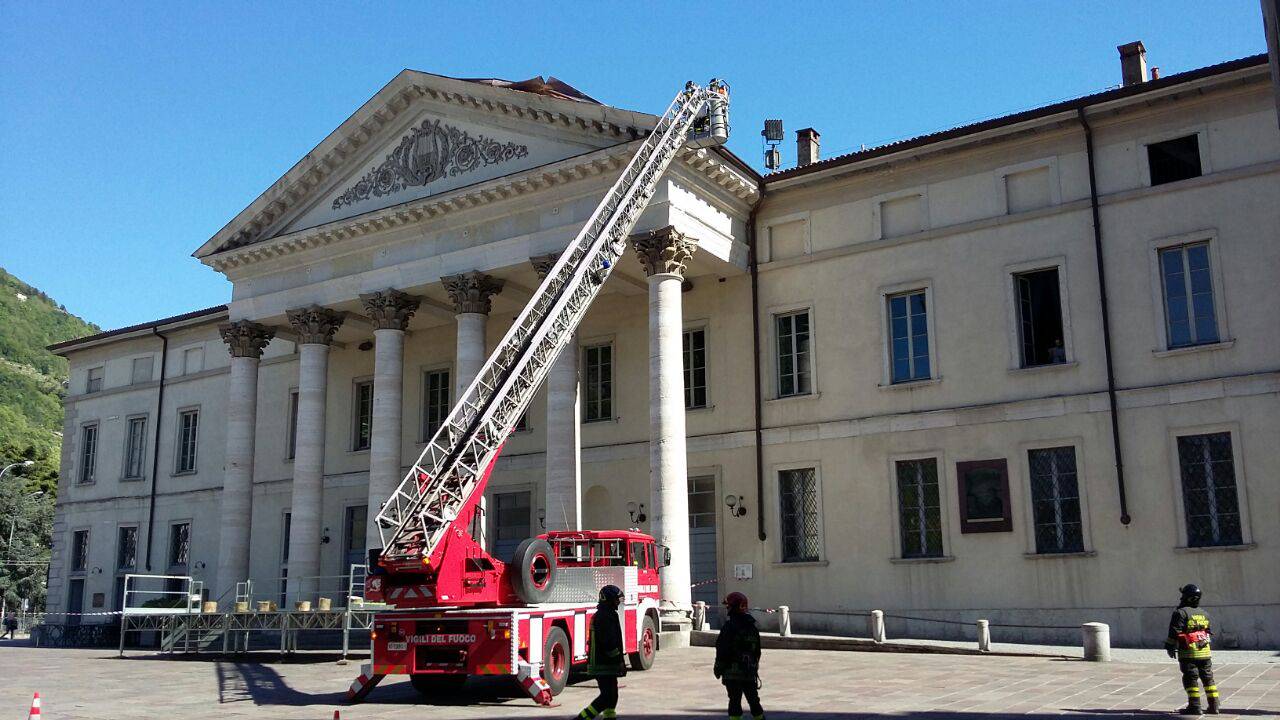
605	654
1189	633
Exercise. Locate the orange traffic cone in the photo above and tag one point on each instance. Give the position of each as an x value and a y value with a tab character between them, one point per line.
35	708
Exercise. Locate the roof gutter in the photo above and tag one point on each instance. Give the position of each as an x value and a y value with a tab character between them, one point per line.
1125	518
155	441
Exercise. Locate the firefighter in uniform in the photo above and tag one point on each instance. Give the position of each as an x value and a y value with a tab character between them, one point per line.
606	659
738	658
1188	640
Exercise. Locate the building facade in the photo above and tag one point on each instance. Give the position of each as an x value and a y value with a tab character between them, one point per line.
1023	370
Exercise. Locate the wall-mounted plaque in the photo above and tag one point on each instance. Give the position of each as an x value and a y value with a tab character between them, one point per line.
984	496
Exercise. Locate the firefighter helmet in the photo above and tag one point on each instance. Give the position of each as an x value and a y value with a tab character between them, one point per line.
610	594
736	602
1190	595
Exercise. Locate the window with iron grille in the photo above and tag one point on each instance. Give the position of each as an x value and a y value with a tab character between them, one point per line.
179	545
702	501
94	382
695	368
435	401
127	548
88	452
1173	160
908	337
293	424
1188	295
793	353
80	551
363	421
188	430
800	519
598	391
1055	500
1209	500
135	445
919	508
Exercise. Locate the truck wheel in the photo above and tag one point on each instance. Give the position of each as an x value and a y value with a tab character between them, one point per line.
435	685
535	571
557	656
643	658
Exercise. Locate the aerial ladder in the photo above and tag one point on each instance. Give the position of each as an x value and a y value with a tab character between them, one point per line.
430	554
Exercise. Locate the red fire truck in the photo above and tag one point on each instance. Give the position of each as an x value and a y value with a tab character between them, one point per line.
538	643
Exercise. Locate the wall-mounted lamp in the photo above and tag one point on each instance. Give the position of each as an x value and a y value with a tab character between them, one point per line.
636	512
324	538
365	346
199	565
736	507
542	518
96	571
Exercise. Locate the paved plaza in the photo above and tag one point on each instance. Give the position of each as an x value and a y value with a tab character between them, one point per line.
800	684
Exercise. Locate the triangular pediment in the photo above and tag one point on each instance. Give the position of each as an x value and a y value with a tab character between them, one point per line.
423	135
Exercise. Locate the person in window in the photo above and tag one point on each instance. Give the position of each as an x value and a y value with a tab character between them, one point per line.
738	658
1188	640
1057	353
606	659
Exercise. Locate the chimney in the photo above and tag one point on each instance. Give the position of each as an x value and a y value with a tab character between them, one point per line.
806	147
1133	63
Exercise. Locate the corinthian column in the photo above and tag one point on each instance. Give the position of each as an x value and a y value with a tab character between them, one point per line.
472	295
315	327
391	310
245	340
563	492
664	254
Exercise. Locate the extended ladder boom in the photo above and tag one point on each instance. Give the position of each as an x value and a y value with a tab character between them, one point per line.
455	463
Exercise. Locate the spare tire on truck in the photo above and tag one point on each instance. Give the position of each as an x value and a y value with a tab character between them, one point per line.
533	574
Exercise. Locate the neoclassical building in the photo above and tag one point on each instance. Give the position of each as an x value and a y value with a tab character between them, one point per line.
1025	370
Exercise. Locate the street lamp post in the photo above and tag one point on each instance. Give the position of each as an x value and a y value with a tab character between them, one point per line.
10	466
4	605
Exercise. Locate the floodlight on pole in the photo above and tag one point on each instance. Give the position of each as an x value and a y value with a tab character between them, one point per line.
772	136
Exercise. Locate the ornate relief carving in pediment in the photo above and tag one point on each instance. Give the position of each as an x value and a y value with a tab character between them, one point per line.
431	150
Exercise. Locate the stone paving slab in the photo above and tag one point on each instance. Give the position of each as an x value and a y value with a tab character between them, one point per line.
798	684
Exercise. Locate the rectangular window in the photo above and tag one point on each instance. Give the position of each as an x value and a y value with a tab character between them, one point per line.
293	423
94	382
127	548
80	551
799	503
511	522
793	353
919	508
598	395
363	421
523	423
188	430
284	557
179	545
1173	160
1188	295
702	502
192	360
355	525
88	452
135	445
435	401
1055	500
695	368
142	369
908	337
1040	318
1209	500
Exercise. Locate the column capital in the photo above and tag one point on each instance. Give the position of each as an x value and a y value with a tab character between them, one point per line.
245	338
472	292
665	250
542	264
315	325
390	308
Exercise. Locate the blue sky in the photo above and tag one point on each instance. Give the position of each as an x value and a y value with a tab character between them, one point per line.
131	132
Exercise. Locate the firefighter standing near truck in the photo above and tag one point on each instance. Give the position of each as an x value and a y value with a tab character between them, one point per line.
606	659
1189	635
738	657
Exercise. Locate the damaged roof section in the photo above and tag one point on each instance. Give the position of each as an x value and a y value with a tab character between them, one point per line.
550	87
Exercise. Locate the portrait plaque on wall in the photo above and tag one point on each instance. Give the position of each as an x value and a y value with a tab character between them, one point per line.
984	496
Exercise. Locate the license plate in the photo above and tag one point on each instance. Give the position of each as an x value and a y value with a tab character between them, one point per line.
397	646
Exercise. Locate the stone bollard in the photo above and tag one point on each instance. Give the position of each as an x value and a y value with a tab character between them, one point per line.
875	625
700	615
1097	641
784	621
984	636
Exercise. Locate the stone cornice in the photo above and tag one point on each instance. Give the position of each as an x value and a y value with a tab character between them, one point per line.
717	169
337	151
